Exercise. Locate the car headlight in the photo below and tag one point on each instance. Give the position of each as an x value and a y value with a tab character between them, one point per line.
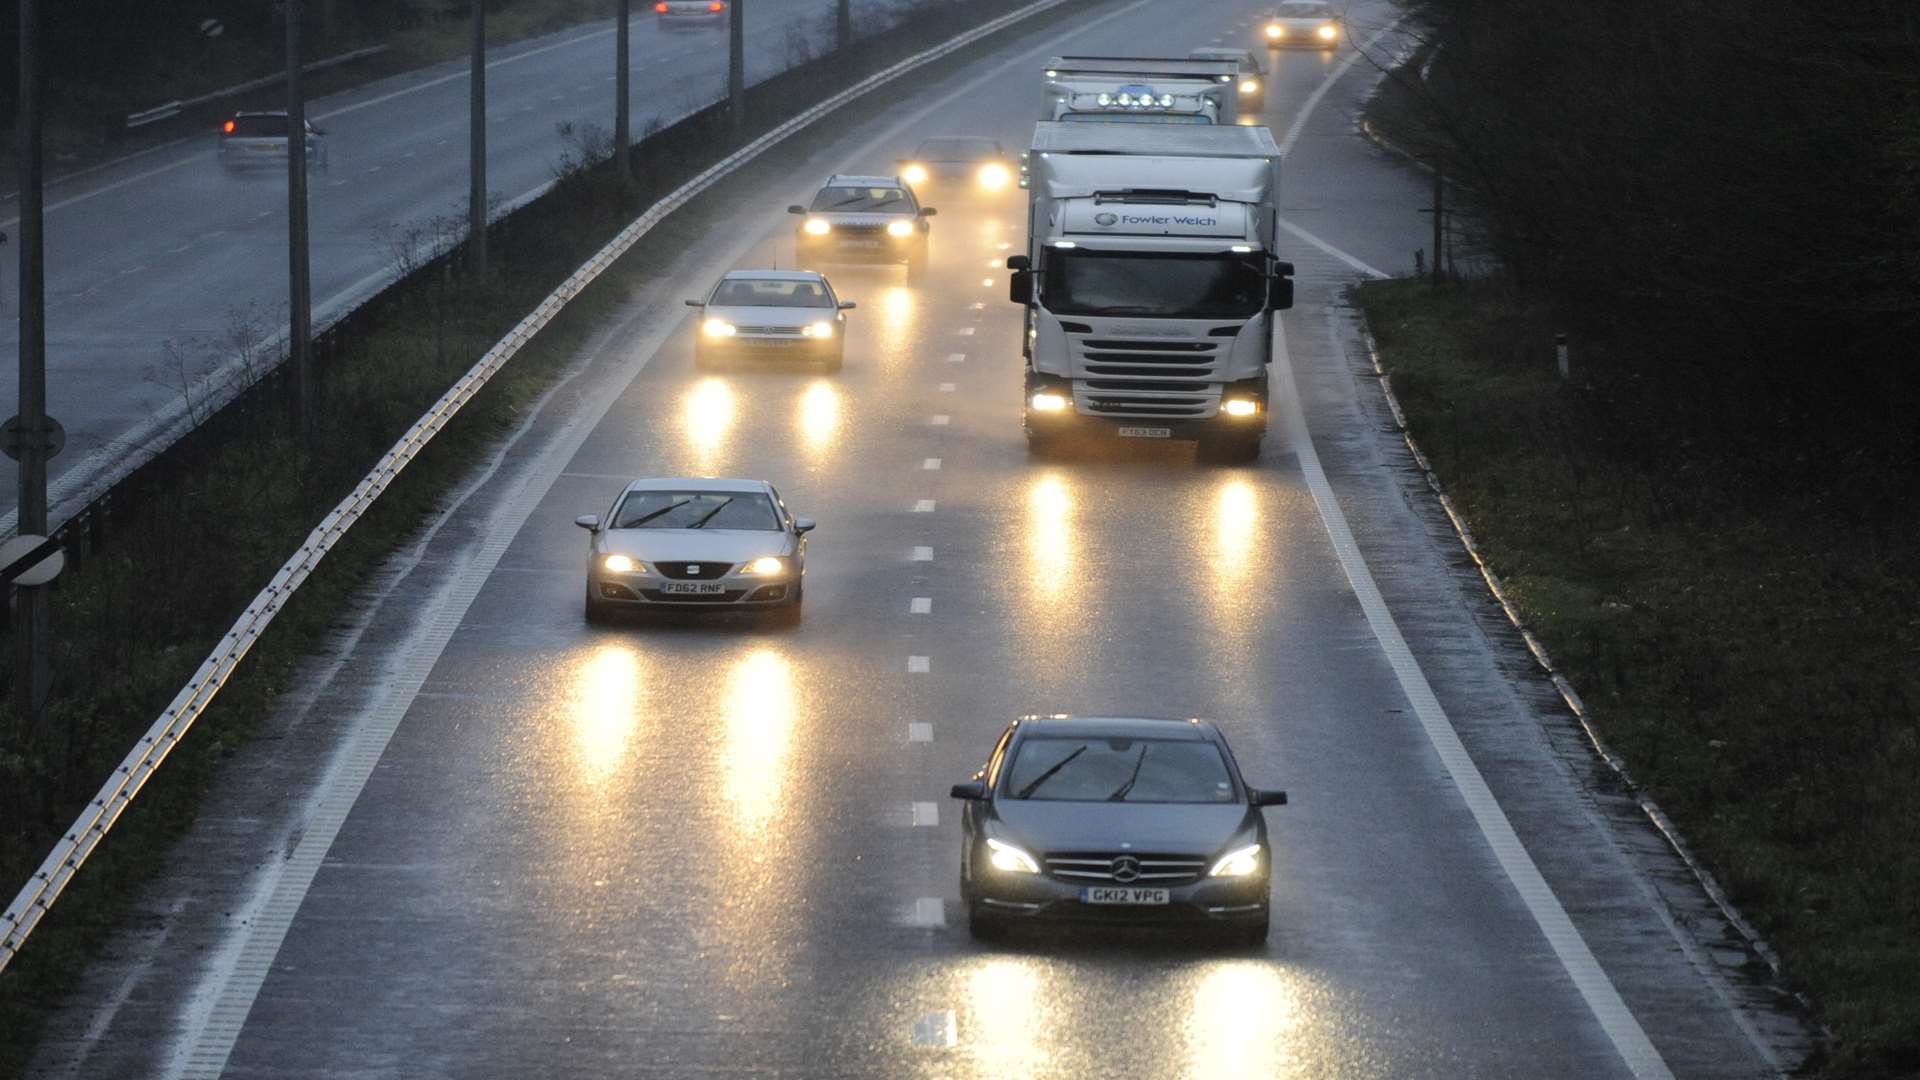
817	227
1248	86
914	174
718	328
900	228
622	564
1276	31
994	177
1011	859
1049	401
821	329
1240	407
1326	33
766	566
1240	862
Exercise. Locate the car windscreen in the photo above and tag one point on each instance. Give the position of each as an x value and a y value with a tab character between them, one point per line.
736	292
863	200
1107	769
259	127
957	149
1135	118
696	510
1305	9
1088	282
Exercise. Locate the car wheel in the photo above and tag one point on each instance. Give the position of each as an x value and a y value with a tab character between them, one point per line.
835	359
1251	936
1042	446
597	610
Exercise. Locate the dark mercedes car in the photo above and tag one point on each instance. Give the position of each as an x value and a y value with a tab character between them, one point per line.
1118	821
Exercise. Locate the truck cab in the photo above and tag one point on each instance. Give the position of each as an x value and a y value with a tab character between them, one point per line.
1150	283
1139	89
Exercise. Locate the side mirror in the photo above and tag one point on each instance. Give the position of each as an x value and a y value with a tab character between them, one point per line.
848	305
928	211
696	303
972	789
796	209
1280	292
803	525
589	522
1019	262
1020	288
1260	797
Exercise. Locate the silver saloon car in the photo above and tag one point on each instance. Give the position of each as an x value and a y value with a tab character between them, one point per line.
1303	24
696	543
775	314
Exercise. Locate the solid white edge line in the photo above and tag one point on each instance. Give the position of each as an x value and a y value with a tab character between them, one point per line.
1596	989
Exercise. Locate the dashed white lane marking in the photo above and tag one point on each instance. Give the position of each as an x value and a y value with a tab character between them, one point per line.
928	911
966	331
987	283
926	815
1615	1019
957	358
1344	257
263	214
937	1029
946	388
920	605
919	731
922	553
924	506
181	248
979	305
932	464
919	665
940	420
992	264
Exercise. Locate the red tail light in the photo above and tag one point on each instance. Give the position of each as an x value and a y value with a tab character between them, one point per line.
227	128
716	6
661	7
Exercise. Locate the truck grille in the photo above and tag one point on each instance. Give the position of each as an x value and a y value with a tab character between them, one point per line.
1170	363
1125	867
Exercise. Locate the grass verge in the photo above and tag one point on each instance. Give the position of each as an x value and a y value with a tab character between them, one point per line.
1754	660
191	545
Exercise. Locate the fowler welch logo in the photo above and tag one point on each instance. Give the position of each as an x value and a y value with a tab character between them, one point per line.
1107	220
1104	220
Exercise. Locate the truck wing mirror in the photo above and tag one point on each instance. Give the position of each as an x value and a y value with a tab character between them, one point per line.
1019	262
796	209
1020	289
1280	292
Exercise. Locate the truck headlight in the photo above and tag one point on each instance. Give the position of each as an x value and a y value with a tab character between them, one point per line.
993	177
1050	401
621	564
821	329
1240	862
1240	407
1248	86
766	566
1276	31
900	228
718	328
1011	859
817	227
914	174
1326	33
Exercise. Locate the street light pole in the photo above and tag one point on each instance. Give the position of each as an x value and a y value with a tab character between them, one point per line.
299	280
843	12
622	124
737	64
34	440
477	148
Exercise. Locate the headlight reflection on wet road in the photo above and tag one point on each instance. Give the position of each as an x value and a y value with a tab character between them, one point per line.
1049	538
707	418
607	710
819	418
1242	1021
1007	1015
759	720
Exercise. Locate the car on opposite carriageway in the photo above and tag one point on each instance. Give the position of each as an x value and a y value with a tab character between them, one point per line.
259	139
1114	821
690	14
865	219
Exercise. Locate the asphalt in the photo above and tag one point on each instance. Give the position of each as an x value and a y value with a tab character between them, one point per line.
706	847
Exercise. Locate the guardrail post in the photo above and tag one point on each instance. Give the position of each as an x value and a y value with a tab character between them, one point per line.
1561	355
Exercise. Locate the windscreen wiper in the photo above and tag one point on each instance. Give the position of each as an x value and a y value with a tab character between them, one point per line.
637	522
708	516
1121	793
1027	792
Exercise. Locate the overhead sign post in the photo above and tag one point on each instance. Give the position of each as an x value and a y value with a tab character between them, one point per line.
31	437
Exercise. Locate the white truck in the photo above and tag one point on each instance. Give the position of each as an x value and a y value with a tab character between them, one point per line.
1150	284
1139	89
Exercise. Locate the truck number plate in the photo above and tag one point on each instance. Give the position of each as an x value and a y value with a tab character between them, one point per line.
1146	433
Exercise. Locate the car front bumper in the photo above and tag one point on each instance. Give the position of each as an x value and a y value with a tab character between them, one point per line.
770	346
1042	898
735	592
859	247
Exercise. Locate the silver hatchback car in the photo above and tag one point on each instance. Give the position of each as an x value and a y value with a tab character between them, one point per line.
258	139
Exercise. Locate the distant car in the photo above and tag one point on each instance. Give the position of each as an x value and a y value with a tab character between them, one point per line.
1116	821
779	314
257	139
1303	24
865	219
691	14
1252	83
959	164
695	544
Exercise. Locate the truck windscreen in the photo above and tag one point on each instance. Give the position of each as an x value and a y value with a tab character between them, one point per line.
1084	282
